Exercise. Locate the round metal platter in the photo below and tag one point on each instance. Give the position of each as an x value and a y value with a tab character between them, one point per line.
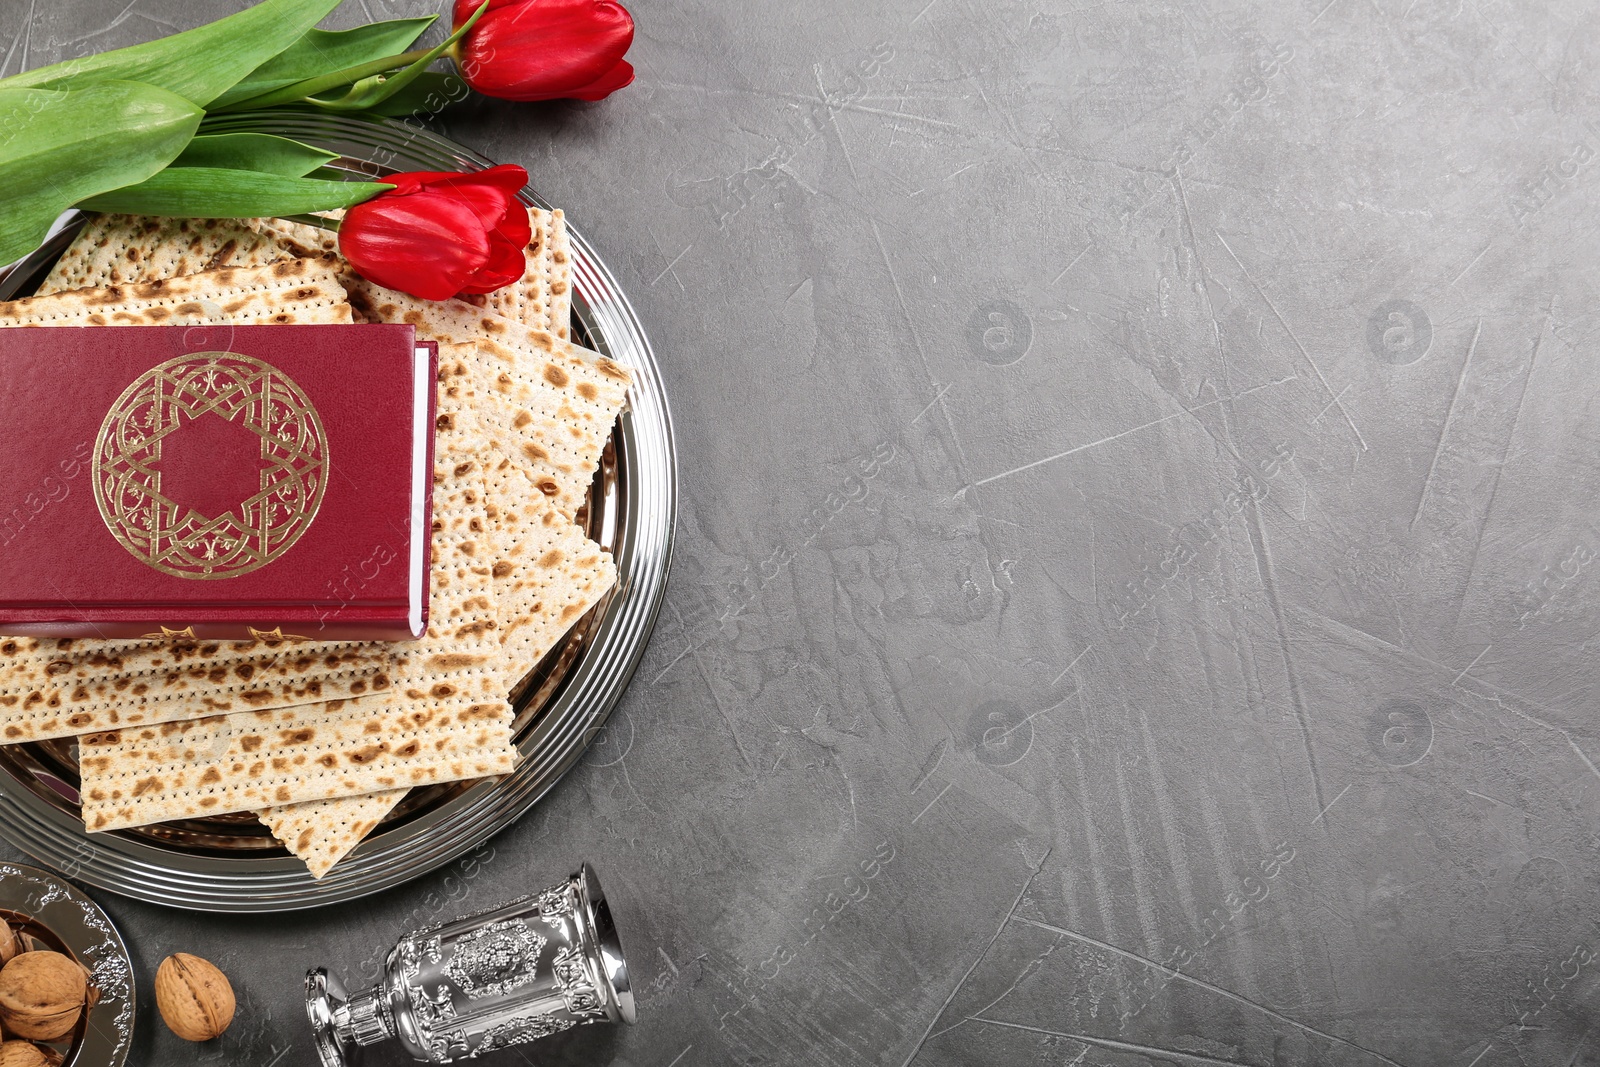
231	863
56	913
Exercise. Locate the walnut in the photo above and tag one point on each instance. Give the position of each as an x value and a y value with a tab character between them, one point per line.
42	995
24	1054
9	945
92	996
195	998
26	942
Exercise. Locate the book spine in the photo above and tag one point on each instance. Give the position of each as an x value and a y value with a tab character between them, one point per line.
294	631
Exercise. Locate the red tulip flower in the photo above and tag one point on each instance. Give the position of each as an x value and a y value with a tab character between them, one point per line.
440	235
545	49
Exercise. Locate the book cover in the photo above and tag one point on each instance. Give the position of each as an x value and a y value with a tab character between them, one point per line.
217	482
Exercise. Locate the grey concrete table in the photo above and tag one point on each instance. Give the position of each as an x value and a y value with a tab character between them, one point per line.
1136	577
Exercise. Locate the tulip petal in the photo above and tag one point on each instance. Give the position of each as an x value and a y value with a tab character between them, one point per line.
441	233
419	245
544	49
496	212
507	177
620	77
514	225
464	8
489	194
507	264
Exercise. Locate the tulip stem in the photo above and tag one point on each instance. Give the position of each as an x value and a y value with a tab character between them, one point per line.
301	90
322	83
322	222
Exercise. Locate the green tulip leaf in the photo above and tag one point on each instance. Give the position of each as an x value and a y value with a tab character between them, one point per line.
59	147
199	64
218	193
254	151
370	84
320	51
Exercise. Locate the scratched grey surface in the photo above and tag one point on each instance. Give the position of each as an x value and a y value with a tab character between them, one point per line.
1136	572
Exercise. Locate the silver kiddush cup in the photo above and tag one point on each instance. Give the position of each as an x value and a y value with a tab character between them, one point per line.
526	970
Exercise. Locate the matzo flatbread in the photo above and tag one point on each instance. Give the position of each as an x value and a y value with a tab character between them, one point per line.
460	322
457	431
286	292
257	759
524	299
53	688
542	297
299	238
546	403
460	651
115	249
323	832
443	683
59	688
538	414
124	249
547	576
558	278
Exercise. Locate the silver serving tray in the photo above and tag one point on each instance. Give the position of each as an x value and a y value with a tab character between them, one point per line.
230	863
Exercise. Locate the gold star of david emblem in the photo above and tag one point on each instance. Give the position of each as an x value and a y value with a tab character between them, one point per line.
249	512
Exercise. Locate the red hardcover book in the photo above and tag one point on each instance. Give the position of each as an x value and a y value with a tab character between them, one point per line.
219	482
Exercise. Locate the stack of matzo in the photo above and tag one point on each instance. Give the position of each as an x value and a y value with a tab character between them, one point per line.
322	740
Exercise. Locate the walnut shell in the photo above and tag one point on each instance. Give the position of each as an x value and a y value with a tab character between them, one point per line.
195	998
92	996
9	945
42	995
23	1054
